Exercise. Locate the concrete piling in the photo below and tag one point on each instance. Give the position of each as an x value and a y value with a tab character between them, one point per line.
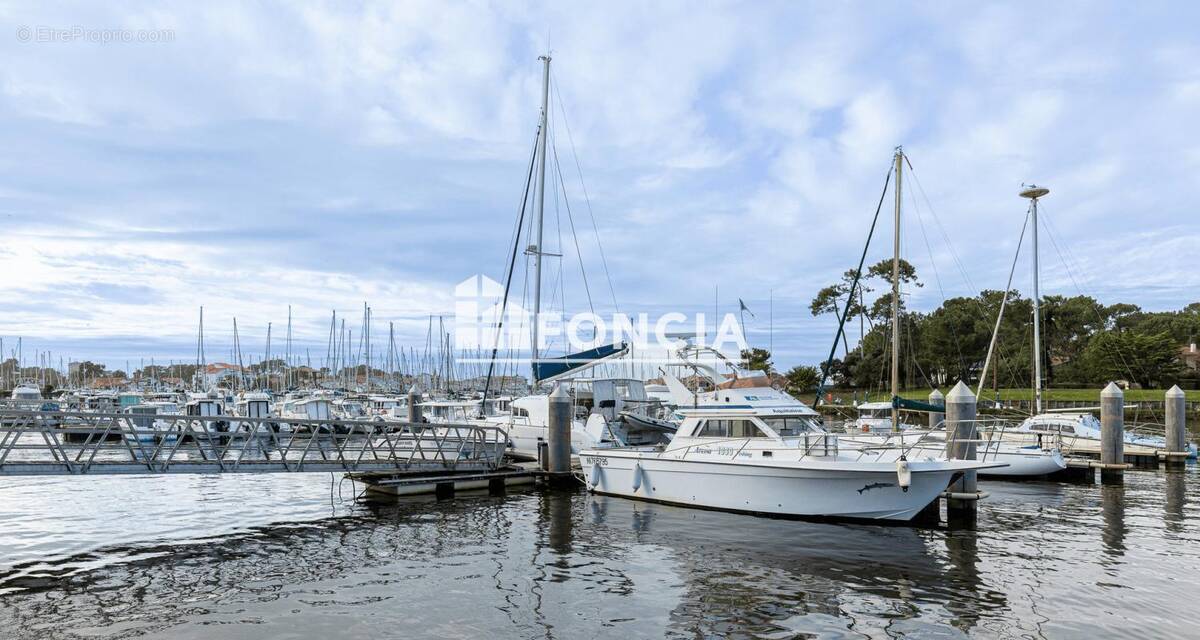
960	445
1176	412
559	436
938	400
414	404
1112	434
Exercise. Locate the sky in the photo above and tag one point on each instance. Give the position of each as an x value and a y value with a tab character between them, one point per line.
323	155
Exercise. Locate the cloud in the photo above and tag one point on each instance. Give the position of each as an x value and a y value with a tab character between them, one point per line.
329	154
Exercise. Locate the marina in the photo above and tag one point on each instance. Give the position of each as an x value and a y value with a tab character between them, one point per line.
655	321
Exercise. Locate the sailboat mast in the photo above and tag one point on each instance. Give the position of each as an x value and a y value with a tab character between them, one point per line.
541	206
896	298
1033	192
1037	313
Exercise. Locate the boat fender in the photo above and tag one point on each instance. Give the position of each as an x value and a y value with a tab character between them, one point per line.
637	477
903	475
595	475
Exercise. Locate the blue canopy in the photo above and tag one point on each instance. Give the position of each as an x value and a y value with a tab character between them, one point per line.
546	368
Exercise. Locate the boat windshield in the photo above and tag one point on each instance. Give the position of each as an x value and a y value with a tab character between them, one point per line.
739	428
793	425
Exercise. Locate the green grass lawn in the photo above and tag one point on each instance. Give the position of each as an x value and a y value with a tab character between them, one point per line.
1084	395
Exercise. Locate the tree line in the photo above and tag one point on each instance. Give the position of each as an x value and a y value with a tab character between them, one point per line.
1084	342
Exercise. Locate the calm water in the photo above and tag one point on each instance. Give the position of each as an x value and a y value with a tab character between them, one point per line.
296	557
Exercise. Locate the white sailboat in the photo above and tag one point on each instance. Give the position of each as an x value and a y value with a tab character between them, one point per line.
1074	429
527	421
1018	459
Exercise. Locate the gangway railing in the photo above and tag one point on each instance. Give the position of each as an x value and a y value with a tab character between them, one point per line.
76	443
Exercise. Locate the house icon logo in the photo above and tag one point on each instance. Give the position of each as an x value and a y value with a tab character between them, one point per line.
477	308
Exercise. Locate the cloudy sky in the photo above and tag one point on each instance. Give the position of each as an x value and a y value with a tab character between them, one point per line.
326	154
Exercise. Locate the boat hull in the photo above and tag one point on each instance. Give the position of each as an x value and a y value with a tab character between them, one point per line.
791	491
1035	463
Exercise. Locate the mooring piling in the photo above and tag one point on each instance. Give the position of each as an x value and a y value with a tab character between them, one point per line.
1176	416
559	436
1112	434
414	404
938	400
960	445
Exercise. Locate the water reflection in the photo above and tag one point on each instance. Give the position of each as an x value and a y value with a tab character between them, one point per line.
1174	500
1112	512
769	576
561	564
962	549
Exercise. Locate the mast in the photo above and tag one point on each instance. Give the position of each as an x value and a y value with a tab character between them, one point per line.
287	371
270	385
367	340
541	206
1033	192
896	299
201	362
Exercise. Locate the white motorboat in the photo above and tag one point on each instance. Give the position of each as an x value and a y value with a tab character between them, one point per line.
317	406
740	459
256	404
1080	430
1022	459
873	417
206	405
26	395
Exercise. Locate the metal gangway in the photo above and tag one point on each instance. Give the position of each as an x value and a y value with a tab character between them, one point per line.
84	443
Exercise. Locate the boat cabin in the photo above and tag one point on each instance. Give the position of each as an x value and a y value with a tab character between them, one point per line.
733	425
873	417
26	392
312	408
450	411
254	405
1067	424
611	396
203	405
351	409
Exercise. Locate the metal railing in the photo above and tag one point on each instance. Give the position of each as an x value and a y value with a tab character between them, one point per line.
810	445
74	443
994	432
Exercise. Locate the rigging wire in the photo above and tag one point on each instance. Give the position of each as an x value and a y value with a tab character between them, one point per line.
508	275
1003	303
850	298
570	218
586	198
950	247
937	278
1054	242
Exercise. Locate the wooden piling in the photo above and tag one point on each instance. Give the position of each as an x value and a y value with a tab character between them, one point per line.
559	436
938	400
960	445
1176	412
1112	434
